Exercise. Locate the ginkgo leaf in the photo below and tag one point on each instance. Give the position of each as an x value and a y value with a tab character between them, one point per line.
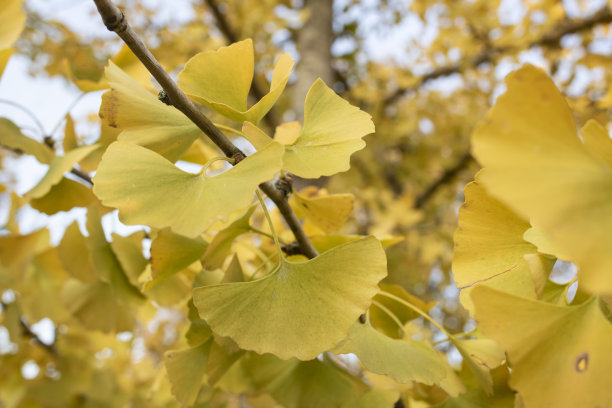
74	255
148	189
12	21
489	246
538	166
402	360
5	55
58	166
63	196
327	211
300	309
96	307
324	243
187	370
172	252
125	59
381	319
297	384
106	264
374	398
222	79
480	356
221	244
128	251
143	119
564	350
333	130
13	138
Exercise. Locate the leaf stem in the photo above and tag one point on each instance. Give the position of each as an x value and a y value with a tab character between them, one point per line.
265	234
415	309
391	315
267	214
28	112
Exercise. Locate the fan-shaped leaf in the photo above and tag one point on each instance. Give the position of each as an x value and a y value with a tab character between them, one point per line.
538	166
222	79
301	309
143	119
148	189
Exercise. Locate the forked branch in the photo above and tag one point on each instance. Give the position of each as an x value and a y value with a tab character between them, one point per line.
115	20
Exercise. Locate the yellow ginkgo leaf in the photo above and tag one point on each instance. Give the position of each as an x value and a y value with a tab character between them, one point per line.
332	131
12	21
187	370
374	398
538	166
13	138
560	355
58	166
489	246
96	307
402	360
381	319
143	119
222	79
148	189
172	252
125	59
300	309
221	244
74	255
5	55
298	384
327	211
63	196
480	356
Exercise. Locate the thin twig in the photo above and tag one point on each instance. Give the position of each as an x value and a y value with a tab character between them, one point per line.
115	21
28	112
27	331
550	39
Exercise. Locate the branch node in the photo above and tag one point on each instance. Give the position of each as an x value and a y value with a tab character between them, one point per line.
284	185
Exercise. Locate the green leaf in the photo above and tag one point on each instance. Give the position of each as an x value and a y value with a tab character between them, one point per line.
562	350
58	166
333	131
143	119
300	309
148	189
222	79
402	360
13	138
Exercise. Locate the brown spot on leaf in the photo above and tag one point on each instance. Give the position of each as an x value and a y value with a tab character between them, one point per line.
582	363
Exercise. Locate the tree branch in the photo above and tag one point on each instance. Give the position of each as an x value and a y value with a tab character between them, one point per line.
447	176
27	331
550	39
115	21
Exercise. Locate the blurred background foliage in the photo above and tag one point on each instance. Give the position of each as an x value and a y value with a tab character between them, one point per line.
426	70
